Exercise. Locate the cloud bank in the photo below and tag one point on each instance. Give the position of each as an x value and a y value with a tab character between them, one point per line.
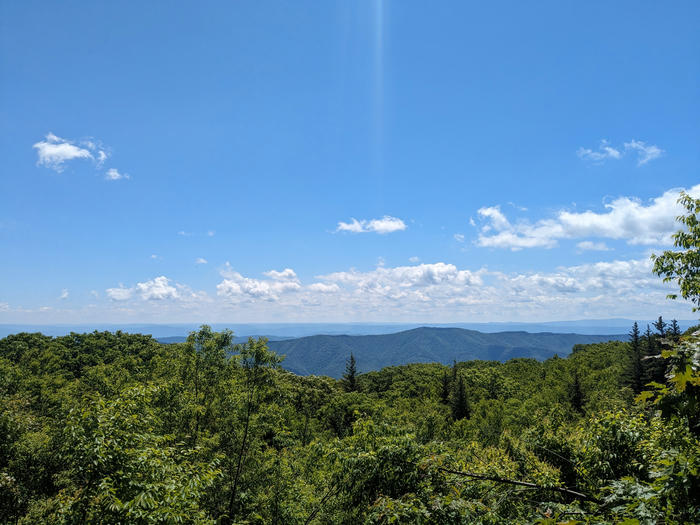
625	218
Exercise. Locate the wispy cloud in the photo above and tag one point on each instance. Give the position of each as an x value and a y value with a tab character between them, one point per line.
55	152
604	151
113	174
645	152
592	246
458	237
626	218
64	294
386	224
200	260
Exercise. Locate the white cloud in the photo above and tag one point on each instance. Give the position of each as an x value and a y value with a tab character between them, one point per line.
434	292
458	237
386	224
324	287
94	293
414	259
200	260
119	294
592	246
235	287
645	153
604	152
183	233
113	174
154	256
101	158
4	307
157	289
64	294
53	152
211	233
626	218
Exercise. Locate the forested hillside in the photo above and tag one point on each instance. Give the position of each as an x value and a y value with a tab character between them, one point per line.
326	354
118	428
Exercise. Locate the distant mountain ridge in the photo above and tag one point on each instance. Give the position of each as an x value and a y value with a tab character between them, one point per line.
289	330
327	354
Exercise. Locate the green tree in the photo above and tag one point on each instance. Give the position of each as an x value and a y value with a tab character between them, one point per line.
636	366
445	385
350	375
460	402
683	266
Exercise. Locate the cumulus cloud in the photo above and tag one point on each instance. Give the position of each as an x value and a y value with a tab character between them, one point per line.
53	152
645	152
157	289
625	218
4	307
386	224
113	174
235	287
429	292
64	294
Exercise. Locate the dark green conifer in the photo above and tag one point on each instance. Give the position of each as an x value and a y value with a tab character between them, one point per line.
350	375
460	401
636	367
445	384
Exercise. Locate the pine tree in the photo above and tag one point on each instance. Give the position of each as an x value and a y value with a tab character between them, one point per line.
576	393
460	403
636	372
350	375
654	369
660	326
675	331
445	385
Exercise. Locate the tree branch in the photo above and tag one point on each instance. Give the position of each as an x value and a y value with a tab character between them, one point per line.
561	490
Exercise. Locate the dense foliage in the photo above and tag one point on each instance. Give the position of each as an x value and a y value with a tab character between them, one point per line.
117	428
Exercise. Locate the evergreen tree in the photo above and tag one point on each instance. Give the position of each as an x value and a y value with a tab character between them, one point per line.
460	402
445	385
350	375
654	368
675	331
576	393
660	326
636	372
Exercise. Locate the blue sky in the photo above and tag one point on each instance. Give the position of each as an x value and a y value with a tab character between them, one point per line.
342	161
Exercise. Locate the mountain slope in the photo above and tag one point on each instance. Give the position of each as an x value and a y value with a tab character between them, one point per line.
326	354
